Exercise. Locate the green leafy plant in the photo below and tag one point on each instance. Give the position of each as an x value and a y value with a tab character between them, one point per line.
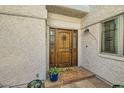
118	86
35	84
54	70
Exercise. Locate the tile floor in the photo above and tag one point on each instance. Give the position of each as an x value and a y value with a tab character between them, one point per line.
91	82
76	77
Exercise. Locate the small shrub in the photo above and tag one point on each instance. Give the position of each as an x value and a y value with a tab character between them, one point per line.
54	70
35	84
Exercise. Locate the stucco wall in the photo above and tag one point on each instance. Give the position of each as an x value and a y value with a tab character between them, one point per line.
38	11
22	44
61	21
109	69
66	22
101	12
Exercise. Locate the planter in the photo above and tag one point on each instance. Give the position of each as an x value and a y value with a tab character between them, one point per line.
53	77
35	84
53	73
118	86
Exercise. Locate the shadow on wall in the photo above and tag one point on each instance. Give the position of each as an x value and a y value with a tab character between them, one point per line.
1	85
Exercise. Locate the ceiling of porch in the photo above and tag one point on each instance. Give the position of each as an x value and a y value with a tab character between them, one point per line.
77	11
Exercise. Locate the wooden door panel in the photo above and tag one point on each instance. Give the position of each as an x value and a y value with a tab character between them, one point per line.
64	59
63	40
52	59
64	45
67	59
64	53
74	57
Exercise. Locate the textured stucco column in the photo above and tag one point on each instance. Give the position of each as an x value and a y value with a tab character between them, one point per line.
22	44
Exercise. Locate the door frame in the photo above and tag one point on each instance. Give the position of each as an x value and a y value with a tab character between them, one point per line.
49	44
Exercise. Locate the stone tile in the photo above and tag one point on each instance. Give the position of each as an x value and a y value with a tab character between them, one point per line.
70	86
98	83
80	84
82	78
69	75
85	84
49	84
91	82
74	74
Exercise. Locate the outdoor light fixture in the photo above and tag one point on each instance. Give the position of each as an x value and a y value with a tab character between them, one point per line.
86	30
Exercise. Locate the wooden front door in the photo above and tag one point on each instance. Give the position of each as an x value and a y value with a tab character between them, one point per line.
63	48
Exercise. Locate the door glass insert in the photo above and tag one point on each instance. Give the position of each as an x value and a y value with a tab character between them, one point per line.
52	38
74	39
64	36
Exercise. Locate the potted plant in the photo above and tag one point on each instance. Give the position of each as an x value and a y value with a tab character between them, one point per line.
53	73
118	86
35	83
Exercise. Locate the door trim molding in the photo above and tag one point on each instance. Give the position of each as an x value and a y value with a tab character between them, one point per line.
49	27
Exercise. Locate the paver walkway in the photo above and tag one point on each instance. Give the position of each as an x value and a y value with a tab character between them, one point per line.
91	82
76	77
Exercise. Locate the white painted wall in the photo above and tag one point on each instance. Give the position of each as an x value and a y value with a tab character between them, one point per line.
101	12
22	44
84	8
61	21
38	11
66	22
110	69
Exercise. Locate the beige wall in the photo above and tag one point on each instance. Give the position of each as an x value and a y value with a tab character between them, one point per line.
110	69
22	44
61	21
101	12
25	10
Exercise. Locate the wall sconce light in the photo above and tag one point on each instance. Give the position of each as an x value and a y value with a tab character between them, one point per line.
86	30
